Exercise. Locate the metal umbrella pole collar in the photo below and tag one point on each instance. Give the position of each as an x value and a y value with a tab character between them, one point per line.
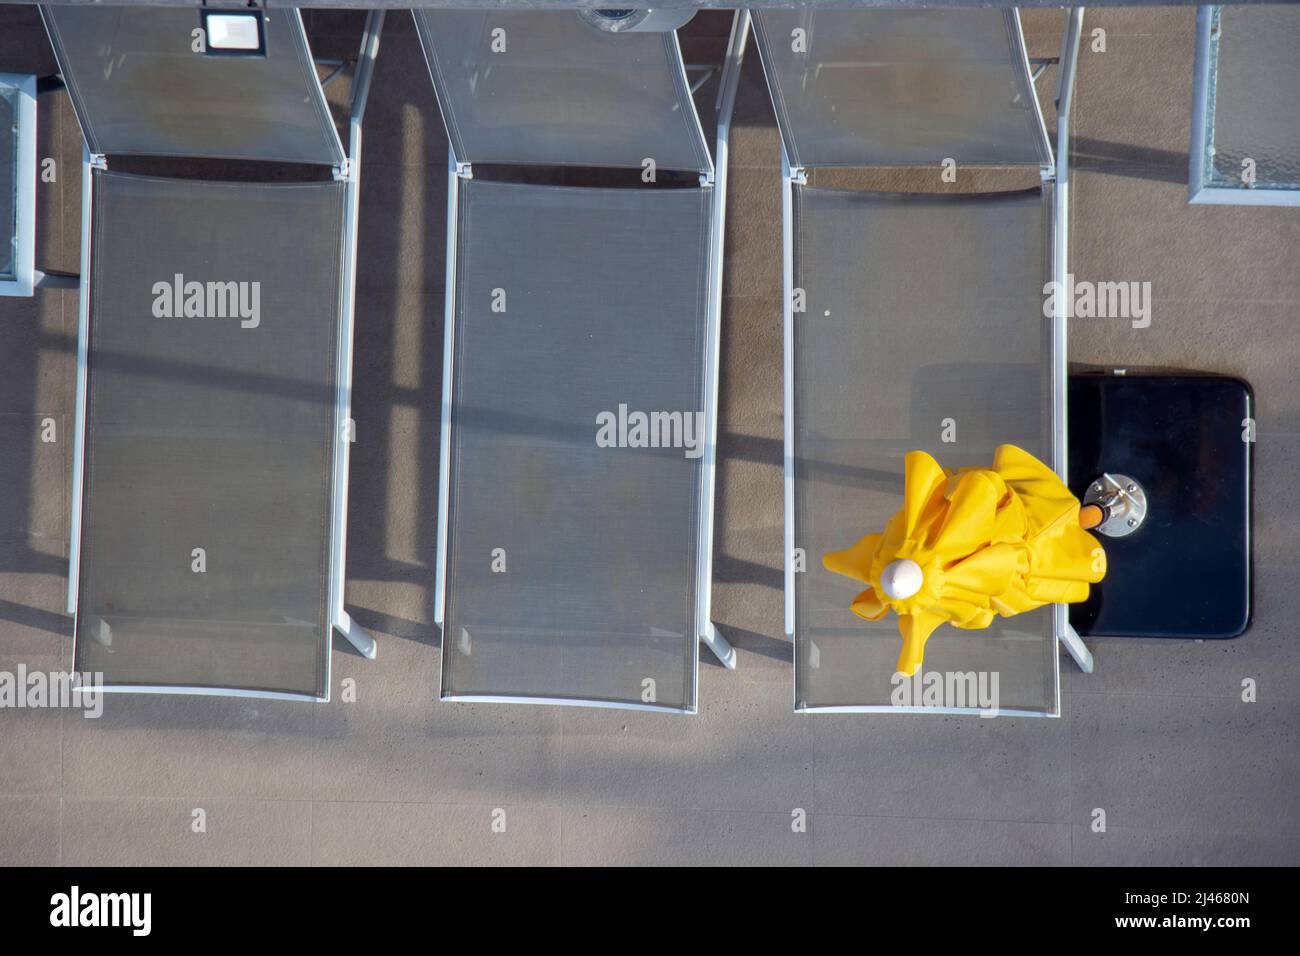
1122	501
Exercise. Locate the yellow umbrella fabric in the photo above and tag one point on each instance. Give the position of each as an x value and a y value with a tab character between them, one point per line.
987	542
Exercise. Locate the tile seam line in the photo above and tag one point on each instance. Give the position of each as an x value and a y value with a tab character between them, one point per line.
232	798
784	814
710	809
1235	300
1272	831
1149	696
1068	698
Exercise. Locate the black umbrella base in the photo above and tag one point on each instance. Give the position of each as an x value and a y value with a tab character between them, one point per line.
1185	441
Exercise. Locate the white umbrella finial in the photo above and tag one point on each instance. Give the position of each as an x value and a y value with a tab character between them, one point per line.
902	578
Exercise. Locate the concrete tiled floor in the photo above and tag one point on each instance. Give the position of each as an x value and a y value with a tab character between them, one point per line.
1158	738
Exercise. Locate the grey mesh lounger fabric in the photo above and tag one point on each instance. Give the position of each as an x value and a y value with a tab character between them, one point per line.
139	88
210	432
606	309
917	309
544	88
572	568
214	361
885	352
900	87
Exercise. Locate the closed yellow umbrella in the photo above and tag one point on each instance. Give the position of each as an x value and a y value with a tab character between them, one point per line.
971	545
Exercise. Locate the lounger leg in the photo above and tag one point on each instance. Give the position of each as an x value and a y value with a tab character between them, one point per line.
1077	649
356	635
101	632
722	650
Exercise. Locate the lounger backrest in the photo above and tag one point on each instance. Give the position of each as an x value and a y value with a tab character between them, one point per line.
140	88
899	88
545	88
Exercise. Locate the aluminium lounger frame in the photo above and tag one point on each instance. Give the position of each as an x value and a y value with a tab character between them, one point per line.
349	174
1055	174
459	171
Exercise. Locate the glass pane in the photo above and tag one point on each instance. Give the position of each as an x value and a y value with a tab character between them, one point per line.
210	431
572	561
140	88
547	89
1255	97
895	87
884	353
8	181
